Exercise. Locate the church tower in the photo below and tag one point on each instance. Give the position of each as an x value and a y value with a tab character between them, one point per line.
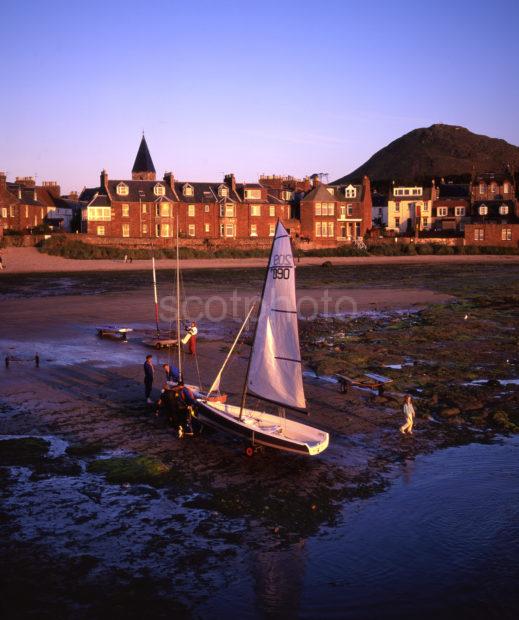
143	168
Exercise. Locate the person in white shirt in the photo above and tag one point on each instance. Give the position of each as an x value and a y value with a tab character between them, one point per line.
409	412
190	338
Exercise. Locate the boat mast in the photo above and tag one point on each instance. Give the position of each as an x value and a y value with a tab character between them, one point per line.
155	296
244	392
179	343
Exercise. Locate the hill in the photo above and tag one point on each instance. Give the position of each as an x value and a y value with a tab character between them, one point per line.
437	151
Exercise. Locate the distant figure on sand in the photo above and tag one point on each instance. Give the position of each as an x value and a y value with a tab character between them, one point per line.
172	373
409	412
149	371
190	338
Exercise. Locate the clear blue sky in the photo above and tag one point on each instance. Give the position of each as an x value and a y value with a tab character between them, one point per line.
250	87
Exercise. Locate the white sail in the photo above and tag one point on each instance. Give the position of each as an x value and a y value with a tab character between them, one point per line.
275	366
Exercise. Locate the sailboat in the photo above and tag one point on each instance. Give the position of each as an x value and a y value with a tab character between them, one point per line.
274	372
160	341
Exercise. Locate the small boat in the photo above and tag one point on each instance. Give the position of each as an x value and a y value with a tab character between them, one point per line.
113	331
274	372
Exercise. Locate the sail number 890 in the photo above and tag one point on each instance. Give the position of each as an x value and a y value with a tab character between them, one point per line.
280	273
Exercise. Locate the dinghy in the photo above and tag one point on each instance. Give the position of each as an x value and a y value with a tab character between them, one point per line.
274	368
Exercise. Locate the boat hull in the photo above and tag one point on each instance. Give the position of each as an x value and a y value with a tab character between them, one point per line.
278	436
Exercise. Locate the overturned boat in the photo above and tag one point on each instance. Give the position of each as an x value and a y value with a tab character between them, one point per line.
274	372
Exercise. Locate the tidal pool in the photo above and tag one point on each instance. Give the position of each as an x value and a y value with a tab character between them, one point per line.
443	541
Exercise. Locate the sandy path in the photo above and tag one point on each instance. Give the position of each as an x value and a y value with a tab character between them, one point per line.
29	260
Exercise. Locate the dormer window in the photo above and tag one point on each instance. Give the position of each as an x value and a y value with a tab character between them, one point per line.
159	190
223	191
253	194
286	195
350	192
503	210
483	210
122	189
188	190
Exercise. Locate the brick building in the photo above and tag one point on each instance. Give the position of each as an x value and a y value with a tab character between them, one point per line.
451	206
146	208
336	213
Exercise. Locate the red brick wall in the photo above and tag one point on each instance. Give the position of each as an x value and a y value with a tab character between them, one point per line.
492	234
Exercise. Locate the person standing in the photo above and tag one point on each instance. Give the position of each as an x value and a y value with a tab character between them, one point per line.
409	413
149	371
190	338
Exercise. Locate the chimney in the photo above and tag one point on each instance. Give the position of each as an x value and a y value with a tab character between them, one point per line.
19	193
35	195
53	188
170	180
315	180
104	180
26	181
3	180
230	180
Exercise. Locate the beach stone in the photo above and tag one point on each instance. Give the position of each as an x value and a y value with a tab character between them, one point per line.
449	412
379	400
327	264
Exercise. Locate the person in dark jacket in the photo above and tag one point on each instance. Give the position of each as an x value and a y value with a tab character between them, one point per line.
172	373
149	371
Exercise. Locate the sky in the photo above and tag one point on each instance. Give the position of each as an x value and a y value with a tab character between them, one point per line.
249	87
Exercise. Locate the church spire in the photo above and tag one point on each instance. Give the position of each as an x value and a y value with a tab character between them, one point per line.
143	168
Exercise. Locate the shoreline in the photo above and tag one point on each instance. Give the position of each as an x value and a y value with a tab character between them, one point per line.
31	261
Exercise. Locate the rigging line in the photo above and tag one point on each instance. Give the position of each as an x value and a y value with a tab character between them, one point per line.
287	359
284	311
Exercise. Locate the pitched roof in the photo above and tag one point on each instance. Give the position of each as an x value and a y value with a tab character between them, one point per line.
320	193
454	190
143	161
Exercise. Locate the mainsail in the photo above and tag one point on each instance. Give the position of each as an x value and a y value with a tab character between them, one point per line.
275	366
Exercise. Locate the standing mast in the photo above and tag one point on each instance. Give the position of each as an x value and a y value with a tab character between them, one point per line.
179	342
155	296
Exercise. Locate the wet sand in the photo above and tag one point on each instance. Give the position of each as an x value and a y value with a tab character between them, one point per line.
30	260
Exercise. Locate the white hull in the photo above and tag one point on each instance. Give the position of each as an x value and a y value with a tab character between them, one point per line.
264	428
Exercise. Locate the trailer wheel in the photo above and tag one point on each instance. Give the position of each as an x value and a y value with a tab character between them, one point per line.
249	451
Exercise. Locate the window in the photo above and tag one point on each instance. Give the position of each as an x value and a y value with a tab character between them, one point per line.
159	190
253	230
483	210
331	228
406	192
191	230
206	208
272	210
164	230
157	230
11	211
479	234
506	234
442	211
126	230
144	207
99	213
459	211
227	210
101	231
272	230
350	210
223	191
4	211
481	188
342	212
503	210
331	208
188	190
506	188
342	231
207	228
145	229
126	210
286	195
255	209
122	189
425	207
425	221
318	229
165	210
229	230
397	222
254	194
191	210
493	188
350	192
318	208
